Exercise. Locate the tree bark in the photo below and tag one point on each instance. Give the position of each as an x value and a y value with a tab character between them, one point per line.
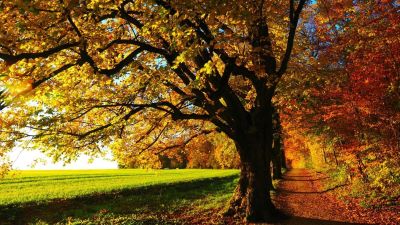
251	199
277	159
237	204
334	155
323	150
283	157
276	148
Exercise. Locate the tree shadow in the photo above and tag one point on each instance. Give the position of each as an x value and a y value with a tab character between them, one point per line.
295	220
297	176
281	190
290	179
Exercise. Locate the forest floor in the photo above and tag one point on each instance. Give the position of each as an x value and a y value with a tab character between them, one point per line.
303	195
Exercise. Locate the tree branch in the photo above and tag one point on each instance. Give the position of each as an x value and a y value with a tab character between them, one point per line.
15	58
294	18
204	132
155	139
54	73
2	97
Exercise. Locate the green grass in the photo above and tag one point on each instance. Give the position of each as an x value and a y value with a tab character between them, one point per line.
21	187
128	197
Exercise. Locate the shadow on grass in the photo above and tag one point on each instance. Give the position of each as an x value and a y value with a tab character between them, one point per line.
143	205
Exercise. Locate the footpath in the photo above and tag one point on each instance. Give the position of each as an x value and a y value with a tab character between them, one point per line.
302	195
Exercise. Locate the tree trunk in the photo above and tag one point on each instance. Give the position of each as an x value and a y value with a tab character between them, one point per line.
276	159
334	155
237	205
276	148
251	199
283	158
361	167
271	169
259	205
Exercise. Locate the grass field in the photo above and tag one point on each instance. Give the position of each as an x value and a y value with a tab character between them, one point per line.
115	196
41	186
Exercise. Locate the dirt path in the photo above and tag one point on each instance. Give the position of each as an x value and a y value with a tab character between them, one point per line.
302	195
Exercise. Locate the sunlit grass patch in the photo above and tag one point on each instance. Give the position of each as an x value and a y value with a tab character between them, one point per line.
180	198
41	186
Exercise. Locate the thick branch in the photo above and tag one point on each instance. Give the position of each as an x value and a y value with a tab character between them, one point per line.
125	15
76	29
118	67
145	46
15	58
294	18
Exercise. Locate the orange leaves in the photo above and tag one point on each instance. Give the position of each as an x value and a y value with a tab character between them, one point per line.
353	107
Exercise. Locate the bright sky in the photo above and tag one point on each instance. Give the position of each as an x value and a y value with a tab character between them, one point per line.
23	160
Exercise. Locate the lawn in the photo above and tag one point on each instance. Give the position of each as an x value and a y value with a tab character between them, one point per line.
132	196
22	187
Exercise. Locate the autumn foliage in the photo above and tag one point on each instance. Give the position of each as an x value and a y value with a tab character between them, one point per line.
352	111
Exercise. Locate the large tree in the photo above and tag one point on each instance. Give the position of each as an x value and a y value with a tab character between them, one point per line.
101	70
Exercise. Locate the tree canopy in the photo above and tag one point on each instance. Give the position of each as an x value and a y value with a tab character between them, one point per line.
99	67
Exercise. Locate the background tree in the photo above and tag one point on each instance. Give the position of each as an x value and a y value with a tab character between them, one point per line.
214	150
277	156
344	110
